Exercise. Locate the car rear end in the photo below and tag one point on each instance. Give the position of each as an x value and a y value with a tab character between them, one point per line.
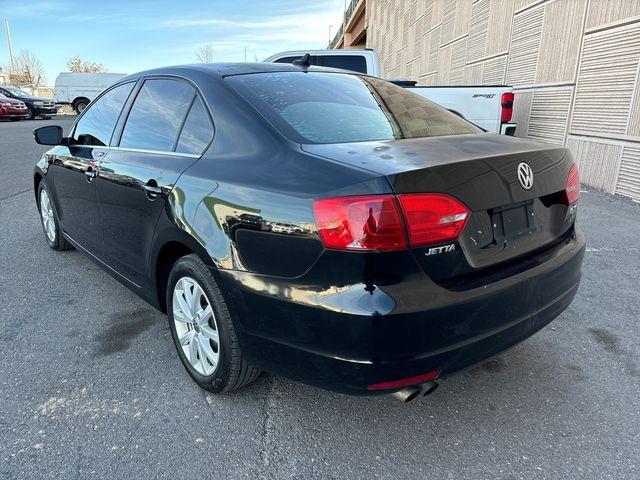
472	248
12	109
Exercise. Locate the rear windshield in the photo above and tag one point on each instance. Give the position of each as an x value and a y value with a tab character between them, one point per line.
320	107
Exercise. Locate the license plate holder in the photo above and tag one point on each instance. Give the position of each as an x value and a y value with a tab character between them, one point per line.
512	221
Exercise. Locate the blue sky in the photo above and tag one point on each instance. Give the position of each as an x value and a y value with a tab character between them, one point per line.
129	36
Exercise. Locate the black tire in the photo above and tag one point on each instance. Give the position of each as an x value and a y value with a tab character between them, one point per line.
80	105
32	113
232	371
45	117
58	243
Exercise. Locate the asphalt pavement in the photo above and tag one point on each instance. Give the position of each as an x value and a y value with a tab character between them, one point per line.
91	385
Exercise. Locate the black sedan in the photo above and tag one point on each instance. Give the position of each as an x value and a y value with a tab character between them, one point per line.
323	225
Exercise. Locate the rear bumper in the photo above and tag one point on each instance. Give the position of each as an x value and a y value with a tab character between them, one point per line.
350	335
508	129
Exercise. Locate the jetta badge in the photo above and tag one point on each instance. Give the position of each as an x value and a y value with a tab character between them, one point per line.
525	175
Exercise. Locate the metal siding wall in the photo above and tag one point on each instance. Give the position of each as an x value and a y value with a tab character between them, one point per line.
598	162
571	62
606	82
549	113
525	46
602	12
628	184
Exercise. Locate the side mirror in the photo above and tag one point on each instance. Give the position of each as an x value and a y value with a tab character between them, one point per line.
49	135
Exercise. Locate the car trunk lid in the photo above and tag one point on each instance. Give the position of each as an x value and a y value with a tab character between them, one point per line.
507	220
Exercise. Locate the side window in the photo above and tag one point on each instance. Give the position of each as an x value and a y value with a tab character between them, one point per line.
96	125
355	63
157	115
197	131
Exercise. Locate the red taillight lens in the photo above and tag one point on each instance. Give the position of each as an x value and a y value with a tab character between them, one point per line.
433	218
572	186
507	106
360	223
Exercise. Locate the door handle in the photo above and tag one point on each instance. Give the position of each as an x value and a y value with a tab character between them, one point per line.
152	190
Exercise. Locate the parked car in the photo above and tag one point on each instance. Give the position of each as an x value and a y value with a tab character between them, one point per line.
487	106
409	244
37	107
12	109
78	89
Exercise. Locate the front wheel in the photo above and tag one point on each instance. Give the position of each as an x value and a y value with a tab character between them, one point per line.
49	220
202	329
32	113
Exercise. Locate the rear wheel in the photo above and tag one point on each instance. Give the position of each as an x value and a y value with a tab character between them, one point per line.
202	329
80	105
49	220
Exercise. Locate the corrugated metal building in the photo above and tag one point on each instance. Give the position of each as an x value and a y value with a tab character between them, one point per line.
575	65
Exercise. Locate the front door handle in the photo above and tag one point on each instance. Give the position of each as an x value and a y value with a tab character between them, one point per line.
152	190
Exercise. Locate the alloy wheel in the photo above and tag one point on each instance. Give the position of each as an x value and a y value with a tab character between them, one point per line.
46	214
196	326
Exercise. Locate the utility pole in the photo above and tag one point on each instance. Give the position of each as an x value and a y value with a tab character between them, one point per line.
245	54
329	44
13	62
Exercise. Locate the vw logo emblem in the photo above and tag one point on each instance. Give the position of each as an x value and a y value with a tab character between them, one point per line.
525	175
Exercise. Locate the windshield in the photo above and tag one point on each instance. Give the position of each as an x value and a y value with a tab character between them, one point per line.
319	107
16	91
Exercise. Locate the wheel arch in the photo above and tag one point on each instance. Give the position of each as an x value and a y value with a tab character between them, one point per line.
37	179
77	99
169	247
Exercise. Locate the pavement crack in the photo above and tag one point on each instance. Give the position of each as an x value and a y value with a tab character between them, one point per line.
15	194
267	430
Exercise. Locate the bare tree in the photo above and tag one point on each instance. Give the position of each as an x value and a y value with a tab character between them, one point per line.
204	54
77	65
29	69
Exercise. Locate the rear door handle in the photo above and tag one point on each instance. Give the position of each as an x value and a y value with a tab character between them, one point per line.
90	173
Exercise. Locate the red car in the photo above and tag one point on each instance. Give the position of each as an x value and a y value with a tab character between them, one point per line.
12	109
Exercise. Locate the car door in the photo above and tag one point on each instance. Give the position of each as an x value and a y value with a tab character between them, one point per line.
167	129
75	168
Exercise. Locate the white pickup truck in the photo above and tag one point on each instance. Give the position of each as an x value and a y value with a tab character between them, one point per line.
487	106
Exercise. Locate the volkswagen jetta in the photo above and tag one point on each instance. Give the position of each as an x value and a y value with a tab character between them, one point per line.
326	226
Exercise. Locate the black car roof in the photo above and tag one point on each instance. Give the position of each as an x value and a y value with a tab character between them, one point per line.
222	70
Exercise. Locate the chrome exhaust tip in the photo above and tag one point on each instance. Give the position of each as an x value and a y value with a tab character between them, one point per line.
408	394
428	388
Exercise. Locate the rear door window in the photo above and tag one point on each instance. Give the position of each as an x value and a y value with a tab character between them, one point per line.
96	125
157	115
197	131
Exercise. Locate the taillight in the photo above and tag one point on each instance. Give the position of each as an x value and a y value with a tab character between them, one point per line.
433	218
572	185
360	223
507	106
376	222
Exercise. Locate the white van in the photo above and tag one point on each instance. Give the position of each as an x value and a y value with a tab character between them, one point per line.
78	89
